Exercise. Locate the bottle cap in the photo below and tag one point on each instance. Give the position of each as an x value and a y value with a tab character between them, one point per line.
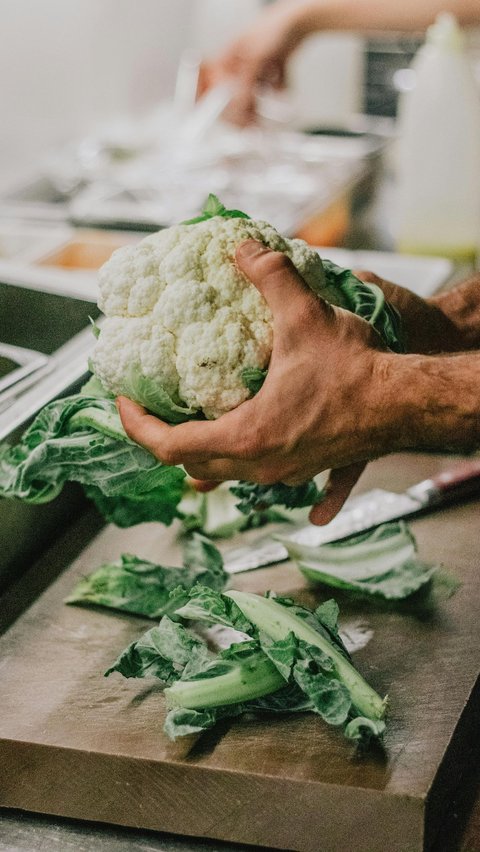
445	33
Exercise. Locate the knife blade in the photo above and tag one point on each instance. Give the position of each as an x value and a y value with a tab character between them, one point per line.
362	513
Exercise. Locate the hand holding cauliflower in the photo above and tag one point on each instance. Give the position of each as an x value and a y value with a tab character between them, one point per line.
183	322
315	411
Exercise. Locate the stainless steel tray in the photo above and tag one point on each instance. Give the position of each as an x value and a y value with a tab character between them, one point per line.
23	372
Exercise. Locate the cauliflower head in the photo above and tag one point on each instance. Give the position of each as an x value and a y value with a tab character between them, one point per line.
183	323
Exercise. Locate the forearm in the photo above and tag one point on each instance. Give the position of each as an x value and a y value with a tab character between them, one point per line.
435	401
371	15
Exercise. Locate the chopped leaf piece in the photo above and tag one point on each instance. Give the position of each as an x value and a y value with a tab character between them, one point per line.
382	562
327	627
215	513
282	652
362	729
330	698
162	652
144	588
327	613
253	496
208	606
181	722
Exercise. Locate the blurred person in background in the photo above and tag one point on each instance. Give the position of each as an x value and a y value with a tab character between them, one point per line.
258	58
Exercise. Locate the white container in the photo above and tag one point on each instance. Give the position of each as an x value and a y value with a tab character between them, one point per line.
439	150
325	79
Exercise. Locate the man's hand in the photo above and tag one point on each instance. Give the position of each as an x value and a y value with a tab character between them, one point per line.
323	405
257	58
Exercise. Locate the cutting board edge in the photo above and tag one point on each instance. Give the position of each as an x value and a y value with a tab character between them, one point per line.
37	771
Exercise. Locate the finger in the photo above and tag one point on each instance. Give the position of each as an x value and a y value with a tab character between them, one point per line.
203	485
339	486
271	73
206	79
220	470
242	108
275	276
294	481
193	441
140	426
280	81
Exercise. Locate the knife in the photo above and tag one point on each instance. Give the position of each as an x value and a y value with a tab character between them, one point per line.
363	513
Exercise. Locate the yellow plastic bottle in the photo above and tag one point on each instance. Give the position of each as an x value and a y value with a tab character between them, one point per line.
439	150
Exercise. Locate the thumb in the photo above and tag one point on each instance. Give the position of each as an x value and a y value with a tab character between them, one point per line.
275	276
339	485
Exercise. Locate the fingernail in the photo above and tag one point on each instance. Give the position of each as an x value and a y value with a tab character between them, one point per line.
250	248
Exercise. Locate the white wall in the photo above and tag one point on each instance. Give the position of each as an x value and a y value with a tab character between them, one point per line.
214	23
66	65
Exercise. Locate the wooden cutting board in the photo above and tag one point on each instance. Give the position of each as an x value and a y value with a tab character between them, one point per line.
75	744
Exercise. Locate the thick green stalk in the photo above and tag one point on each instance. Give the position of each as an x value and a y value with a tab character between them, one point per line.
246	681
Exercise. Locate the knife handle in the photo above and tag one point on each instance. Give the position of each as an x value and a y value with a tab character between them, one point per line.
457	483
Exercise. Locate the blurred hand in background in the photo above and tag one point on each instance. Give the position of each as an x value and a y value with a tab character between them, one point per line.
258	57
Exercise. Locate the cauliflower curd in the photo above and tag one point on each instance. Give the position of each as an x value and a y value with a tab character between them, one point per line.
182	320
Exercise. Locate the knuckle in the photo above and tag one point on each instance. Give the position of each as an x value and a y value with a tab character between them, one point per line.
266	476
295	480
169	455
251	445
293	473
260	478
197	471
275	262
309	314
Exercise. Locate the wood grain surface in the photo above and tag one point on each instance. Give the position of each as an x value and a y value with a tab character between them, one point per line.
75	744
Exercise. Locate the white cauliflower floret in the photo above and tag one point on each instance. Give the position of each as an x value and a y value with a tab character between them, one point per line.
208	359
149	344
181	314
